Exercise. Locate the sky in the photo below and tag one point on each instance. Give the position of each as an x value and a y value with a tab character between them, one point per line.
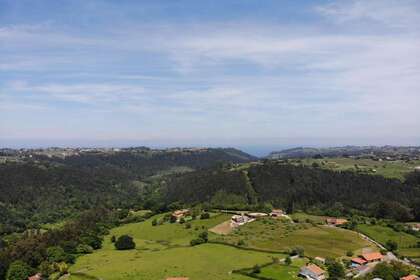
209	73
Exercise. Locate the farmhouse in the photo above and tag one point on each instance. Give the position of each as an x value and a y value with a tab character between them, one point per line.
336	221
312	271
410	277
276	213
415	227
178	214
373	257
355	262
35	277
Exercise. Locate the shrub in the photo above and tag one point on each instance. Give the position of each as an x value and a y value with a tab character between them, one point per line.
256	269
85	249
113	239
182	221
391	245
297	251
205	215
154	222
197	241
204	235
125	242
187	225
349	253
288	261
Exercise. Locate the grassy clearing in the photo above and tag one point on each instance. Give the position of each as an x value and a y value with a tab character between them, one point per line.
303	217
164	251
282	271
281	235
382	234
208	262
167	235
390	169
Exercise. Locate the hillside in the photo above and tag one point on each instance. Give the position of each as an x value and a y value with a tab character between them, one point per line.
374	152
298	187
38	186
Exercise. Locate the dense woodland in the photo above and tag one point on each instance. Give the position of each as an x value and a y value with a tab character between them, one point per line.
301	188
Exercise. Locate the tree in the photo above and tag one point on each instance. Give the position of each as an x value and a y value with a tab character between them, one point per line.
288	261
335	270
84	249
391	245
18	270
182	220
172	219
45	268
204	235
349	253
125	242
113	239
154	222
56	254
297	251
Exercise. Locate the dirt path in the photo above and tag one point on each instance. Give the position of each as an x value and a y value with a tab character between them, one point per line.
223	228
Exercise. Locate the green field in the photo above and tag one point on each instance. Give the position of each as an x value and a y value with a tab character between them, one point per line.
282	271
302	217
382	234
282	235
164	251
389	169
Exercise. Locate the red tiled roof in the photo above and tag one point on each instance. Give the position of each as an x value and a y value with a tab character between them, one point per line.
409	277
359	260
372	256
315	269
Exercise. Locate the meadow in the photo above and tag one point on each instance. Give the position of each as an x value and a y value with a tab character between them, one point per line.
164	251
282	271
382	234
389	169
282	235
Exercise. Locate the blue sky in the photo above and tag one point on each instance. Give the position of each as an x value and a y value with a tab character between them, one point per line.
231	73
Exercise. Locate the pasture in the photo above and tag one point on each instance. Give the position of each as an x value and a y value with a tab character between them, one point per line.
390	169
282	271
382	234
282	235
164	251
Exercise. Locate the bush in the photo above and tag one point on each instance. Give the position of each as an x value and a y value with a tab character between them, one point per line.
297	251
172	219
197	241
205	215
391	245
188	226
204	235
154	222
125	242
349	253
288	261
113	239
85	249
256	269
182	221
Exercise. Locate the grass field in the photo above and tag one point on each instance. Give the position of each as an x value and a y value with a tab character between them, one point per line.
389	169
281	235
382	234
164	251
303	217
282	271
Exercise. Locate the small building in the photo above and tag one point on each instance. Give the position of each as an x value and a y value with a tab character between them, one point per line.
312	271
373	257
410	277
37	276
415	227
276	213
178	214
336	221
256	215
355	262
